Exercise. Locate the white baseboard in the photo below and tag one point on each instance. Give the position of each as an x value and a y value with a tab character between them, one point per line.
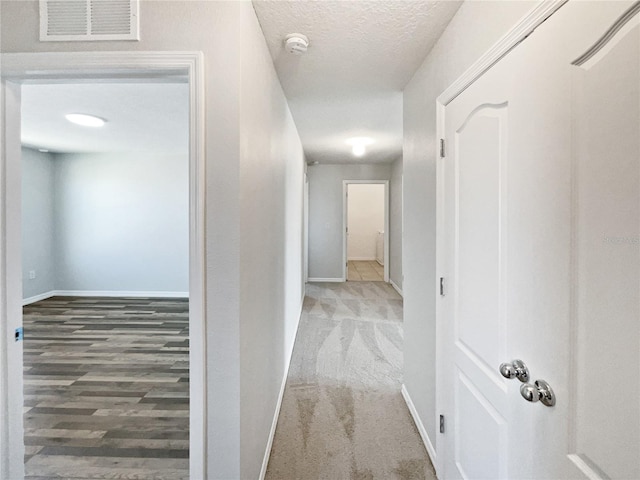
124	293
276	415
423	432
37	298
103	293
393	284
361	259
326	279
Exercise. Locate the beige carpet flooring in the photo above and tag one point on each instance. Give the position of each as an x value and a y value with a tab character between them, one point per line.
343	416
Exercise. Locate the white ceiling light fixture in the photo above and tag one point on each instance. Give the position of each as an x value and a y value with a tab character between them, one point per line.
43	150
359	145
296	44
85	120
359	150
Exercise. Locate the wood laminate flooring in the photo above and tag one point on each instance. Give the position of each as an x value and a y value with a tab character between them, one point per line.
106	385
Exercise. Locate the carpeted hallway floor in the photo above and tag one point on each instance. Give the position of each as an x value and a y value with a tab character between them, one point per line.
343	416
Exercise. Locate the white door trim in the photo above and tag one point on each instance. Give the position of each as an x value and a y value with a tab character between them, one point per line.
18	68
519	32
502	47
306	227
345	184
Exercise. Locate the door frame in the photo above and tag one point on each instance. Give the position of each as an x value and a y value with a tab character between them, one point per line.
345	211
519	32
19	68
305	232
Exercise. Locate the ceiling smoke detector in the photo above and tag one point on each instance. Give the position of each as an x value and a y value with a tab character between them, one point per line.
296	43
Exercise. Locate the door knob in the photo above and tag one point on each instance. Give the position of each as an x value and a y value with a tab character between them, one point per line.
516	369
541	390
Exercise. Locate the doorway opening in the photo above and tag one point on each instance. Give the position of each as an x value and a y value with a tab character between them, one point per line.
18	71
105	261
366	233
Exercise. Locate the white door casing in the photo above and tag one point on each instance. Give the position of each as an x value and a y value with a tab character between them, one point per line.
11	399
305	246
108	66
538	244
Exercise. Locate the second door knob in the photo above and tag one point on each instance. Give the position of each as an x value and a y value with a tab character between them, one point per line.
516	369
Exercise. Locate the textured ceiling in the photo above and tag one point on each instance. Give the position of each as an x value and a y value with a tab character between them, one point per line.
140	117
349	83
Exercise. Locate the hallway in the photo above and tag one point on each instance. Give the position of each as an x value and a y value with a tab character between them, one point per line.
505	133
343	415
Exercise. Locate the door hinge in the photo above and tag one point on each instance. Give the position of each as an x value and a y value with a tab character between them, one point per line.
442	286
442	148
441	423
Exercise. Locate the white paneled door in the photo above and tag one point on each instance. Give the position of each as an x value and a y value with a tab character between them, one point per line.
539	249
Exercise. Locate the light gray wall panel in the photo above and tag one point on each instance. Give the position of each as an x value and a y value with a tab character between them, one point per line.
326	213
37	223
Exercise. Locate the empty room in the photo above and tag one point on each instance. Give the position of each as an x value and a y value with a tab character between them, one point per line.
105	260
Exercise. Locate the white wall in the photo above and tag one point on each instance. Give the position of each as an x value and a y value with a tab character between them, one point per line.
209	27
122	222
37	222
326	214
231	191
107	223
271	248
395	224
365	218
473	30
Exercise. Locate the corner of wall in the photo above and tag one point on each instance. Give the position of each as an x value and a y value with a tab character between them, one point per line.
276	415
428	443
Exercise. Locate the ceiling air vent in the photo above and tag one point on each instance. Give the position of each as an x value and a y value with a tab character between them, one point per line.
89	20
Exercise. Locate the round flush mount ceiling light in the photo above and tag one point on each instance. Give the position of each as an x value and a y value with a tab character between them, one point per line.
359	145
296	44
85	120
359	150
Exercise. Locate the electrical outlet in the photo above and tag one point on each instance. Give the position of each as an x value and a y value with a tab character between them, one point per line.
19	334
32	274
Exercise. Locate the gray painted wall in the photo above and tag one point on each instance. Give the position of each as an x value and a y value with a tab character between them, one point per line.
234	447
207	27
37	222
474	29
271	232
395	224
105	222
326	213
122	222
